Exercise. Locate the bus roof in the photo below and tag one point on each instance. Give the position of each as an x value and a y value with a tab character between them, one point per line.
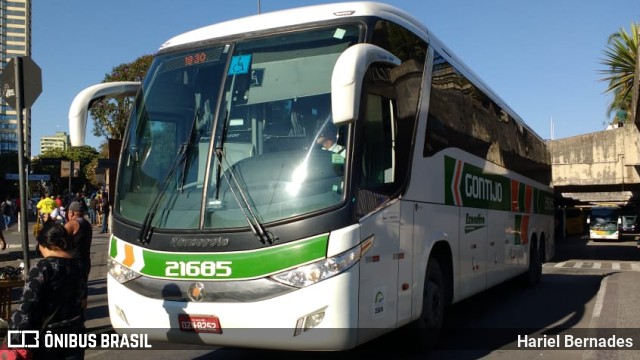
317	13
297	16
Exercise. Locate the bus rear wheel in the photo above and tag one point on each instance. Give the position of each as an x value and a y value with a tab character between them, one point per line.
534	273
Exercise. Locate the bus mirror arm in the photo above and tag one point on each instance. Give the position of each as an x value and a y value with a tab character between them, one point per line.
79	109
347	77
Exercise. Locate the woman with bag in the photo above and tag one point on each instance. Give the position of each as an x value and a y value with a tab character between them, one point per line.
53	294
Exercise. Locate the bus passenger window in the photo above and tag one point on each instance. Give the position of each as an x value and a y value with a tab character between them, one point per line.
378	154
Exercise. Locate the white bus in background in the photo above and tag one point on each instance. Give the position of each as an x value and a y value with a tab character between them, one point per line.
231	221
604	222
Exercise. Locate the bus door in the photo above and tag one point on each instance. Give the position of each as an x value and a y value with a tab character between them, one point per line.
379	214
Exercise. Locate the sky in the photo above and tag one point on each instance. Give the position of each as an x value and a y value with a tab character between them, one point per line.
542	57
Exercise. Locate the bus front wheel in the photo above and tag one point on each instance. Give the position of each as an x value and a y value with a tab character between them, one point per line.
433	304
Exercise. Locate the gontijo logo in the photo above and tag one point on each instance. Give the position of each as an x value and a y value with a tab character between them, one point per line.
470	186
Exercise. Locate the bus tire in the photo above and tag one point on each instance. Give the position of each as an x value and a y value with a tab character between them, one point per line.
433	305
534	272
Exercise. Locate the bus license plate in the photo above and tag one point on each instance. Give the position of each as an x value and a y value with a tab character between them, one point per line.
200	323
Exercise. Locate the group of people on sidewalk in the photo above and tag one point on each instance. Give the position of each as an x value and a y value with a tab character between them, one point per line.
96	207
54	297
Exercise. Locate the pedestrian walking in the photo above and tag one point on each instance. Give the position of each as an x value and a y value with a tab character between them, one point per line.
92	209
105	209
6	208
2	241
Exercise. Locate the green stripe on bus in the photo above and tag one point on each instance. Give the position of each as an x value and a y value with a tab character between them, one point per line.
113	247
479	189
234	265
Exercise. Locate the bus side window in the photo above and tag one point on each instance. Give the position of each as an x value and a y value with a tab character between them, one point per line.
378	131
378	153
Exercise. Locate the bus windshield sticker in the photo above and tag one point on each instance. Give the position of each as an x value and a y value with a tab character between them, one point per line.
339	34
240	64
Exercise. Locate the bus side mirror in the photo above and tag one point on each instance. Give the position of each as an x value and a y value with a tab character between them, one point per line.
79	109
347	77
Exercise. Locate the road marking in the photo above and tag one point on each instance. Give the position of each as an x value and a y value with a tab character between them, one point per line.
596	265
597	308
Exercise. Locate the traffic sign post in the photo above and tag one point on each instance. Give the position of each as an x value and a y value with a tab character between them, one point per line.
20	86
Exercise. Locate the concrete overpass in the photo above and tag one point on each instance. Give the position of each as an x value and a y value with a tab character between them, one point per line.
598	167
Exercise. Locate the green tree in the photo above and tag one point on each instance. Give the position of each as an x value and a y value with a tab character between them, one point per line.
49	163
110	116
620	60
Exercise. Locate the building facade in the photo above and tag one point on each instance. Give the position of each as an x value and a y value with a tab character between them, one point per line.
58	141
15	40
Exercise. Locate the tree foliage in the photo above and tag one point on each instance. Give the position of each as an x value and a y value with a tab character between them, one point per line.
49	162
621	56
110	116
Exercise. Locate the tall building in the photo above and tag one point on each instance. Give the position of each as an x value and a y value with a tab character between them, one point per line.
15	40
58	141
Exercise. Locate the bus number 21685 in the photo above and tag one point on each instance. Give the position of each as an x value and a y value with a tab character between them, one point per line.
198	268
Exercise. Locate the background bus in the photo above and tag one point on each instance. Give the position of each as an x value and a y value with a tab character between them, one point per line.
228	216
603	223
571	221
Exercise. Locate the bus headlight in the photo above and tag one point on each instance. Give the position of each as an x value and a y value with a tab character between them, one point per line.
120	272
323	269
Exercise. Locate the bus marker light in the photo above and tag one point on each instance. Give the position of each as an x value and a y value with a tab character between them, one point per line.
308	322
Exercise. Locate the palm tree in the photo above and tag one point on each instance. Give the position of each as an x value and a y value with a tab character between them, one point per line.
620	60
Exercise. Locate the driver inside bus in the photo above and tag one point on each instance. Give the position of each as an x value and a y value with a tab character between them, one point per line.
328	137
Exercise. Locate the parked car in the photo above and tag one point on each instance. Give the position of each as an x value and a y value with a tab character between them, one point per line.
628	225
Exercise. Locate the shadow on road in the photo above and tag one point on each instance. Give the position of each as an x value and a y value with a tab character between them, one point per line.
476	326
581	248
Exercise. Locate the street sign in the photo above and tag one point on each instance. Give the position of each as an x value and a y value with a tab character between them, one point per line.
31	82
65	168
32	177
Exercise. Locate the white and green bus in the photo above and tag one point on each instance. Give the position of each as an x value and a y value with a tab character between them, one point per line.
604	222
234	224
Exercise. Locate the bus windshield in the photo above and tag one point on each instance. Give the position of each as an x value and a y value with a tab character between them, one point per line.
603	222
235	131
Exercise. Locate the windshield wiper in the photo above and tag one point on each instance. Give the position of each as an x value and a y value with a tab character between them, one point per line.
144	237
241	198
145	232
265	237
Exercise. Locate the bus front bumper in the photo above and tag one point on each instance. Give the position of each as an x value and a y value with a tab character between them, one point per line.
276	323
